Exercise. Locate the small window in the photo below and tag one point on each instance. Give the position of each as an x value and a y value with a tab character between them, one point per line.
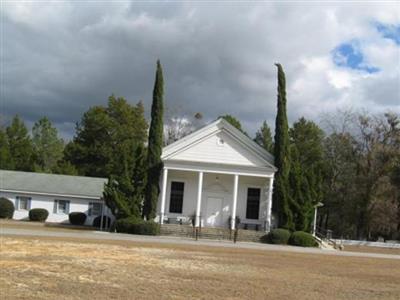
176	200
62	207
253	203
23	203
95	209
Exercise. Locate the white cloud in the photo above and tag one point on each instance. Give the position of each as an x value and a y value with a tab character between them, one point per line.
61	58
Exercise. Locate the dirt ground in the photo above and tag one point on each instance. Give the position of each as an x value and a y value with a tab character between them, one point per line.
51	268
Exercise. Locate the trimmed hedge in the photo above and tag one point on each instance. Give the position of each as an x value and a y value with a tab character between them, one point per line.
137	226
106	221
38	214
77	218
278	236
6	208
302	239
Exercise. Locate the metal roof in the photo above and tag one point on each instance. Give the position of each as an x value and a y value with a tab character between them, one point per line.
53	184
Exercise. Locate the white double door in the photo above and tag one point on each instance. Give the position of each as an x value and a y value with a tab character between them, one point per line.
215	211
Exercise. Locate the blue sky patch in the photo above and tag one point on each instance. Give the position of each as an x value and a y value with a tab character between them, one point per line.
349	55
391	32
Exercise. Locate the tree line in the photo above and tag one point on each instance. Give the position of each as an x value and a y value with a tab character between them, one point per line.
350	161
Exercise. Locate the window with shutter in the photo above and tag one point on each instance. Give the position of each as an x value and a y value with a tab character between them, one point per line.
95	209
62	206
23	203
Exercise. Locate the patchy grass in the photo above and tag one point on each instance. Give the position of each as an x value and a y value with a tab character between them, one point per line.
59	268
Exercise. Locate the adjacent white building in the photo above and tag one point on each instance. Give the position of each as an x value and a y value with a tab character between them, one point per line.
213	174
58	194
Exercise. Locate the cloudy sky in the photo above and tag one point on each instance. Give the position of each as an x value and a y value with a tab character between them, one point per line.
59	58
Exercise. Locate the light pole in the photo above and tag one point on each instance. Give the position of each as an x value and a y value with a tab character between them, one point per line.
319	204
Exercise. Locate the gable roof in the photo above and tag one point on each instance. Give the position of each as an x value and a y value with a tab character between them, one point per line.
219	125
52	184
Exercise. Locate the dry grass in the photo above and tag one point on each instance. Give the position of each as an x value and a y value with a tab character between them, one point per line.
369	249
50	268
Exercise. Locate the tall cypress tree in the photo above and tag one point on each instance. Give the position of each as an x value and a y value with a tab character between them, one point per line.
154	149
281	196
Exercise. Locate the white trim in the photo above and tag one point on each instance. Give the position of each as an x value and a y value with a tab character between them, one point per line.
219	125
163	195
199	195
187	140
48	194
269	205
234	204
219	169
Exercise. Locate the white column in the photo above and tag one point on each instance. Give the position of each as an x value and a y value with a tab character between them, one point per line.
234	204
163	194
315	220
198	207
269	205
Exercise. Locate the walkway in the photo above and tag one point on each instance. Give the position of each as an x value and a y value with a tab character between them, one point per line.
98	236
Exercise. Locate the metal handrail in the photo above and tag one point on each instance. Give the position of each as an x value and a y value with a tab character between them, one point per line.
325	234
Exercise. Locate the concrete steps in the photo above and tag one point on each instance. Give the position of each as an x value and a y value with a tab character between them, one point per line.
211	233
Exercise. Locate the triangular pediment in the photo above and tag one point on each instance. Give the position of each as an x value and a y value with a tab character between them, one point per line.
218	144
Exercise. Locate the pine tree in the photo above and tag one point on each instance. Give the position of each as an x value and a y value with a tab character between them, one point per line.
234	122
264	137
281	196
6	161
21	147
47	145
307	165
154	149
106	139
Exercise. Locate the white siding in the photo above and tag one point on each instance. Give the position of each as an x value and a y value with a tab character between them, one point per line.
47	202
211	150
220	185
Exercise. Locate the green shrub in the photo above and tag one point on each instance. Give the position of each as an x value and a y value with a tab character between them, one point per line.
38	214
137	226
303	239
6	208
277	236
77	218
106	222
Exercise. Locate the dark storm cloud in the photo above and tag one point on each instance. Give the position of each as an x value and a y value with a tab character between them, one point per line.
59	59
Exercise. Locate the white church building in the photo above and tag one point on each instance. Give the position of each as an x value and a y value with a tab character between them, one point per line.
209	176
213	174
